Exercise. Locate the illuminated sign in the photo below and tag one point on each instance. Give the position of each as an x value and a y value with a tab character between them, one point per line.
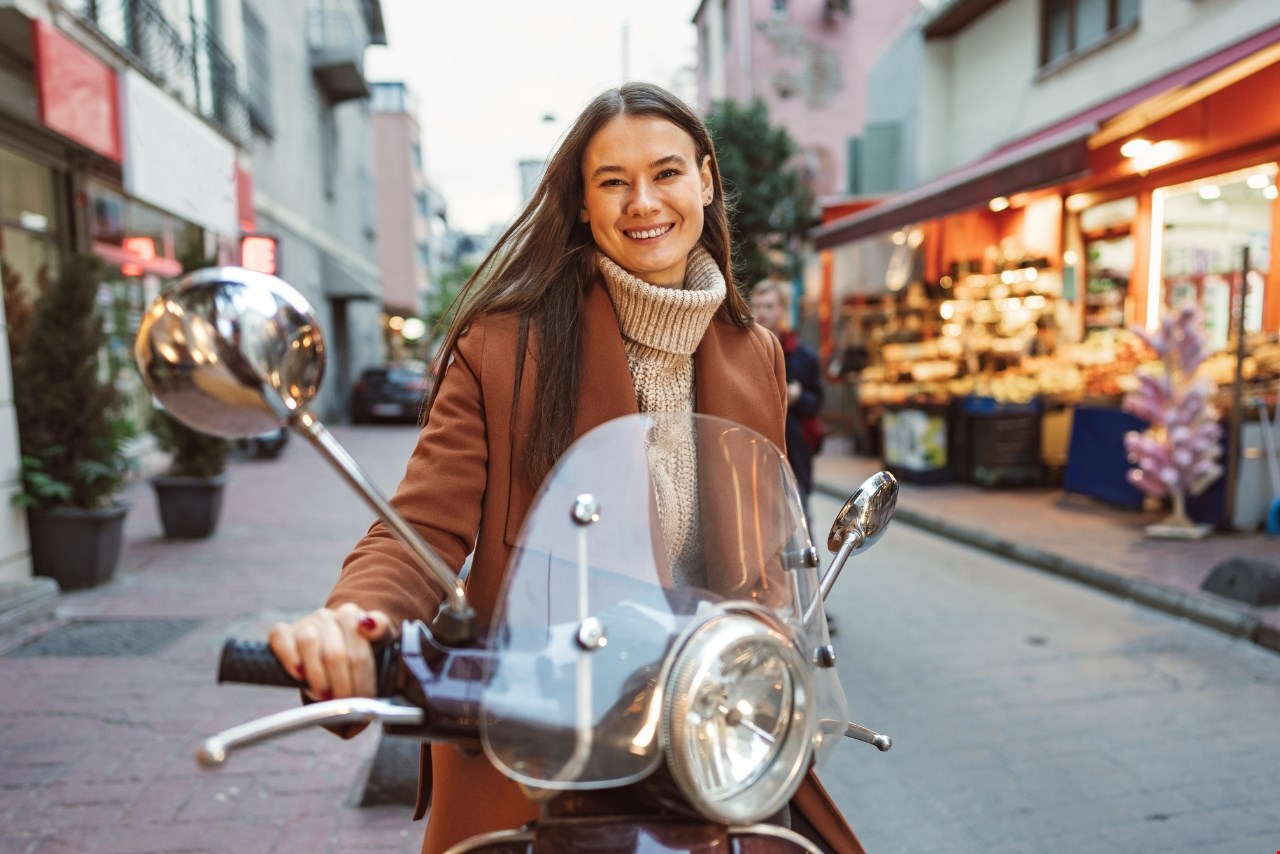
260	253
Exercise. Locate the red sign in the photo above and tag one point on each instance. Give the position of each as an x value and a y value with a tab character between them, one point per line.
258	253
77	94
244	199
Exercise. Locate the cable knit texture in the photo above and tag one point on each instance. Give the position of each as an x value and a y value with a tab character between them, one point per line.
661	328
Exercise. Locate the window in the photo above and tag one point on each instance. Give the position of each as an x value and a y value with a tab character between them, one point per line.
257	53
779	8
1068	27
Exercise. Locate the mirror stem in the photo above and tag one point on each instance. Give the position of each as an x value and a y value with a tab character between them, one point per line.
851	543
455	622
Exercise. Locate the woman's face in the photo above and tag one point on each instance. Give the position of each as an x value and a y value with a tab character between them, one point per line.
645	192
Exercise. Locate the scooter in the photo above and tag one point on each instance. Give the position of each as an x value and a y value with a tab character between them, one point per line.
652	696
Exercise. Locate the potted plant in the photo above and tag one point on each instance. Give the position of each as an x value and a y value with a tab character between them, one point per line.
189	493
71	434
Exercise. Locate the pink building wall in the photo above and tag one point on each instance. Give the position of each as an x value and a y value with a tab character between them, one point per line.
807	62
397	181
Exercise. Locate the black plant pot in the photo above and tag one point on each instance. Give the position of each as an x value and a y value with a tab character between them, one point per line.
76	548
189	506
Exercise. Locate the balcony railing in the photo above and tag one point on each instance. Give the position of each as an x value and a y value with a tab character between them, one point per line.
337	53
197	71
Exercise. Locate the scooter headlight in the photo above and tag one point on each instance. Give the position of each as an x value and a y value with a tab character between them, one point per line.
737	728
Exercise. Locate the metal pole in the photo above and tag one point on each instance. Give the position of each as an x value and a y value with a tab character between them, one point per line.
1237	393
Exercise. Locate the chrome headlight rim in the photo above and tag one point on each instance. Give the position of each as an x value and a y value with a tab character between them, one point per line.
773	780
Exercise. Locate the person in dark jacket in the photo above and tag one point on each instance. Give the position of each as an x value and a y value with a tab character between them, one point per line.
770	303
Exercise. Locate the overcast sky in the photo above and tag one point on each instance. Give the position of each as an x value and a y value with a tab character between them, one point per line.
486	73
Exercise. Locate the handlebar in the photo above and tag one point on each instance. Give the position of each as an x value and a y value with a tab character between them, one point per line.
253	663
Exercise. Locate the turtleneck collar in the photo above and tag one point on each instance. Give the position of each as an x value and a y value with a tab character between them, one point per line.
670	320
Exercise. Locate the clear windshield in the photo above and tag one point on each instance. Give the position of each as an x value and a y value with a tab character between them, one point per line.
644	524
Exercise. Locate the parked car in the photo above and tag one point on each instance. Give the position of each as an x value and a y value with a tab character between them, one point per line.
390	393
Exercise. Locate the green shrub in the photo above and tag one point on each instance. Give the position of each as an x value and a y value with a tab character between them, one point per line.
70	430
193	454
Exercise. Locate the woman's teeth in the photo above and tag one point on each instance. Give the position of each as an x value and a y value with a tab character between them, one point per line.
652	232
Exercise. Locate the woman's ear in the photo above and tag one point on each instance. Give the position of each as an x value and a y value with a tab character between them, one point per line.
704	173
583	216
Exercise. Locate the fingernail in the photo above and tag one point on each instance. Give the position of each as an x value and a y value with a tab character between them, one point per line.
368	623
302	672
326	694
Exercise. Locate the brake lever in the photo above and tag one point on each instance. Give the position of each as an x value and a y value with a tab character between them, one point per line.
351	710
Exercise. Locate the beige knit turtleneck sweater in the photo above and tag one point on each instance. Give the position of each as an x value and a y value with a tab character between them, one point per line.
661	328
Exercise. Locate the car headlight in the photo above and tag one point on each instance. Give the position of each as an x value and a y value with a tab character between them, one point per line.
737	731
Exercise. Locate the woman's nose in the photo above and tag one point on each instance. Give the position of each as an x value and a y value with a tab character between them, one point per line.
642	200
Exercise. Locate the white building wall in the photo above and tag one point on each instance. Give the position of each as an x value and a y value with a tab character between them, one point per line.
14	548
990	71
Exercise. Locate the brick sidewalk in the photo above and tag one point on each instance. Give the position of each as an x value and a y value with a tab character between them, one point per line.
1089	541
97	753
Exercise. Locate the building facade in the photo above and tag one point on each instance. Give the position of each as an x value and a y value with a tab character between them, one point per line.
1076	169
808	60
409	216
156	134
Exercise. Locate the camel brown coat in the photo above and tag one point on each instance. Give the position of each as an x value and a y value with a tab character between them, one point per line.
465	484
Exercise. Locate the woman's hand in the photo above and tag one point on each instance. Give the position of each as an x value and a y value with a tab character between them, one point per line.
330	649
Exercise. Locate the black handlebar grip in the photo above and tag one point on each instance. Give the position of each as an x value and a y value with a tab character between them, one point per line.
253	663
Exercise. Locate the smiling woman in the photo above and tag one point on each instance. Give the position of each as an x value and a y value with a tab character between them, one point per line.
606	296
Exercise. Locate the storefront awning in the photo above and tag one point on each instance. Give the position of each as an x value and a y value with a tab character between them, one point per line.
1057	153
1036	162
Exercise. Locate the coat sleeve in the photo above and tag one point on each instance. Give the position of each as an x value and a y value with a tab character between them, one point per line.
440	496
809	375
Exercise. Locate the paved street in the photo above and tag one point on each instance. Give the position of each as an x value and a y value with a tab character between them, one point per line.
1031	714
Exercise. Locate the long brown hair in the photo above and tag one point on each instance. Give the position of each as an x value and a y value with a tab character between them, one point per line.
543	265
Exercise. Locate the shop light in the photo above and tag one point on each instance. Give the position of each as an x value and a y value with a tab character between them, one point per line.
946	282
947	310
899	238
396	323
261	253
1135	147
1035	302
998	204
1270	192
1031	273
143	248
414	328
1258	180
1209	192
1070	258
33	221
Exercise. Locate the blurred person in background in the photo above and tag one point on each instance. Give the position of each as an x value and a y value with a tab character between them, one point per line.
771	305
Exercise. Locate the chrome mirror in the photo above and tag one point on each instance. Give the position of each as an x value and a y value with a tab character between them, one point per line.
867	512
236	353
231	352
861	521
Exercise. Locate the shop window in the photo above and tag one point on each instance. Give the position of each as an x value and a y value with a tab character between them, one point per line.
1070	27
1108	251
27	194
1204	228
29	221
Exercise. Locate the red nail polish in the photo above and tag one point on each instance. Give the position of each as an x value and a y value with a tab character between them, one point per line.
302	671
368	623
326	694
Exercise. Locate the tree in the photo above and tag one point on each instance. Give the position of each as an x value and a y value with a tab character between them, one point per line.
770	203
1178	455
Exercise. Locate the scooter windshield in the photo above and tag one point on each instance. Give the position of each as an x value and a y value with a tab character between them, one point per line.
646	523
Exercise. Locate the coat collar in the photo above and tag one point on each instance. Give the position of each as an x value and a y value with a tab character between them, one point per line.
725	378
